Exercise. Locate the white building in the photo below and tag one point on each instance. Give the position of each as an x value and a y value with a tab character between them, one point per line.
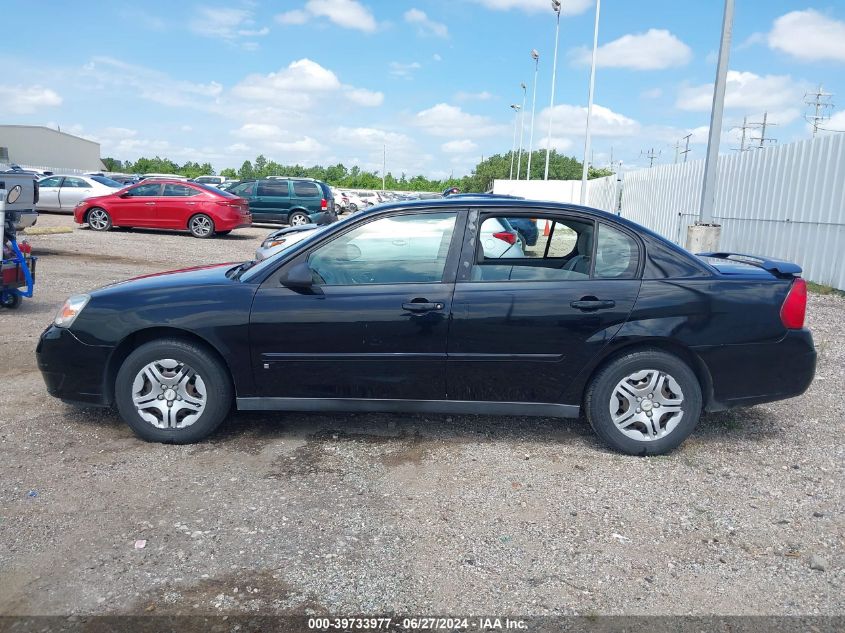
46	148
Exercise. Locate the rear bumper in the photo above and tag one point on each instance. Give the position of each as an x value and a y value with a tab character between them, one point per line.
744	375
72	370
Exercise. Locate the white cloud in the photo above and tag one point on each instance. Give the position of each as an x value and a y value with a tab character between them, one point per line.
571	120
295	82
426	25
371	138
228	24
459	147
436	57
570	7
473	96
27	99
364	97
652	93
404	70
349	14
445	120
271	137
653	50
836	123
745	90
809	36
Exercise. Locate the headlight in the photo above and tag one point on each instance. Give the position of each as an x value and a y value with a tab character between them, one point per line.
273	243
70	310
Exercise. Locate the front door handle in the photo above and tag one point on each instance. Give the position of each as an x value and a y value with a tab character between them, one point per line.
421	305
593	304
149	203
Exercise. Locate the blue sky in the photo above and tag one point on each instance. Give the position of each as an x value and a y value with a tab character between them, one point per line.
324	81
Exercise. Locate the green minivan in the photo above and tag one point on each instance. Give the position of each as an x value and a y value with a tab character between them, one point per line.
293	201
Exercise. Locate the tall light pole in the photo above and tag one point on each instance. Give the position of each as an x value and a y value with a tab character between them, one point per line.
586	168
383	165
536	57
521	129
556	8
516	110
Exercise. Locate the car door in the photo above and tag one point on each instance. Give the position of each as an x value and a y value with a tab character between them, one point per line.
137	205
74	190
375	323
176	206
523	328
306	196
48	193
273	200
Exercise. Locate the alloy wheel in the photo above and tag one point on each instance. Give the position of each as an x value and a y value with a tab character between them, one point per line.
201	226
298	219
98	220
647	405
169	394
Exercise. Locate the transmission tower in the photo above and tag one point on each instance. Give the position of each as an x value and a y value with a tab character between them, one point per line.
744	128
686	149
821	102
763	138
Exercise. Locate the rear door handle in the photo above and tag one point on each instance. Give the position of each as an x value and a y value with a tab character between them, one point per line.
149	203
421	306
593	304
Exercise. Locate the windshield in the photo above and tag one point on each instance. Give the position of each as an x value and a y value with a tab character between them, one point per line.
251	269
108	182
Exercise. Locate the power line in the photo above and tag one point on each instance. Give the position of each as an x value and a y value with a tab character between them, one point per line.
820	101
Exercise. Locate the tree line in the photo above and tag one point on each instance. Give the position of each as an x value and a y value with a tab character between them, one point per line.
480	179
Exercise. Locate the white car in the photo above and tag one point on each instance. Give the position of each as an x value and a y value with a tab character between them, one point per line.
62	193
214	181
284	238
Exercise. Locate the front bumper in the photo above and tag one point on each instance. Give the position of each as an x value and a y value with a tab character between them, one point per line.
744	375
73	370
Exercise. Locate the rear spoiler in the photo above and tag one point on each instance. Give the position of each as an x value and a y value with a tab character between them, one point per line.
775	266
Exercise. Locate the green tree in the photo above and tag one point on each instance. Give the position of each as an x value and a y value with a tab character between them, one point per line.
229	173
112	164
246	170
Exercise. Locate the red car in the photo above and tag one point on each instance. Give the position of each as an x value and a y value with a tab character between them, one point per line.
166	204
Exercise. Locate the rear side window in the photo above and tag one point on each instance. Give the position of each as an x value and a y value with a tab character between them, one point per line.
617	254
179	191
274	189
544	249
305	189
246	189
75	183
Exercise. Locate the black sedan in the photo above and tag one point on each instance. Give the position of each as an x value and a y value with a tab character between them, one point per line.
401	309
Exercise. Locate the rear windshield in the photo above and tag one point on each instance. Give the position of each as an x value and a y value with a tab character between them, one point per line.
108	182
212	189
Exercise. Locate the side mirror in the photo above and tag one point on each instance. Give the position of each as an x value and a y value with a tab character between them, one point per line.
298	277
124	195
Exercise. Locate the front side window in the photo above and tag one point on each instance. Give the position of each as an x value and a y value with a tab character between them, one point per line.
179	191
617	255
396	249
145	191
54	181
75	183
560	249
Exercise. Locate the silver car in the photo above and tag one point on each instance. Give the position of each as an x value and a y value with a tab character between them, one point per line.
284	238
62	193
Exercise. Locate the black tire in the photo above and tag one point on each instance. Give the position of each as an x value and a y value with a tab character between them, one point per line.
215	376
298	215
201	226
597	402
11	300
99	225
352	207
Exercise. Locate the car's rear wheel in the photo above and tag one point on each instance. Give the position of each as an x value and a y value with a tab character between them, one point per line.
298	218
98	219
201	226
173	391
11	300
644	403
353	207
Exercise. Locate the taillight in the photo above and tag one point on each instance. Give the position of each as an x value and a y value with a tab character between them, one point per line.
794	307
324	204
506	236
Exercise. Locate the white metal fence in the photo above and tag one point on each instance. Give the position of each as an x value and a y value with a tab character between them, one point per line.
786	202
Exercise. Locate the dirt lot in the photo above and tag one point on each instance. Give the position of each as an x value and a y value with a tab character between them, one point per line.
395	513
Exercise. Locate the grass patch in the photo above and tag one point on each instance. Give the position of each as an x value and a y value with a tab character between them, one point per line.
820	289
46	230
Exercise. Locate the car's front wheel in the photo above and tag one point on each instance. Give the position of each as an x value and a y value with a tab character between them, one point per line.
201	226
173	391
646	402
98	219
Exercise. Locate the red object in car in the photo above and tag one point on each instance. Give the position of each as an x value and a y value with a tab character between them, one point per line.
506	236
166	204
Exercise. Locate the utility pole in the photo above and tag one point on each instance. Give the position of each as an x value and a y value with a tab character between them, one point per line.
536	57
585	169
687	150
516	110
383	165
763	138
521	129
820	101
704	234
556	8
744	129
651	156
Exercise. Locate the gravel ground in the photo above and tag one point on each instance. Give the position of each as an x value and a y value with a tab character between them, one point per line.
338	514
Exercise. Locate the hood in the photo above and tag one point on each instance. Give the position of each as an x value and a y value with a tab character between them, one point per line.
211	275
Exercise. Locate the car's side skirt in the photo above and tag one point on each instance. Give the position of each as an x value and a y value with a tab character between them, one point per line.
542	409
